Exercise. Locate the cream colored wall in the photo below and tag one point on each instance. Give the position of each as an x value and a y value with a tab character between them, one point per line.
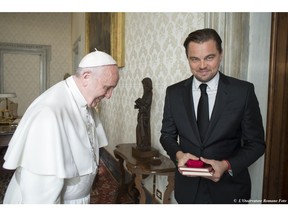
36	28
258	73
78	32
153	47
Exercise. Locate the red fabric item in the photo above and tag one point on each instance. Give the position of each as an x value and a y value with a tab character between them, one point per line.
195	163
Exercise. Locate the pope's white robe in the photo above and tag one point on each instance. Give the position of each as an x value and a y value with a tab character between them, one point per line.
51	151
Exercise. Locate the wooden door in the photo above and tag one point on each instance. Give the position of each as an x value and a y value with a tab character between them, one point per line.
276	159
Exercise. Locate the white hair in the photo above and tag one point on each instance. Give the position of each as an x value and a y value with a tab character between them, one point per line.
81	70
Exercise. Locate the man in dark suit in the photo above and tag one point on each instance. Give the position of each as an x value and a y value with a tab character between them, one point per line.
234	137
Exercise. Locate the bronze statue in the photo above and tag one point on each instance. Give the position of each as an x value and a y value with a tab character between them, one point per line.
143	130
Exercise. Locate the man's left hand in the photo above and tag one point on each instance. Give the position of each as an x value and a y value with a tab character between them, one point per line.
219	168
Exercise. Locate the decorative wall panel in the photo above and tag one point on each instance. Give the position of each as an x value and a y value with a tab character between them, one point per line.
36	28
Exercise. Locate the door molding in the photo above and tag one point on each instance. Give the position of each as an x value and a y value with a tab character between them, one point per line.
276	169
44	52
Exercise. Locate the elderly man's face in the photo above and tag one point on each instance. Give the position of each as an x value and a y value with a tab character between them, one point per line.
102	85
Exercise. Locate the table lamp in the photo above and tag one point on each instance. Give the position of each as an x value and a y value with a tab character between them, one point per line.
6	96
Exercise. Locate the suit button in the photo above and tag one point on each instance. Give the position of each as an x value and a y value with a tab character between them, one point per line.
202	150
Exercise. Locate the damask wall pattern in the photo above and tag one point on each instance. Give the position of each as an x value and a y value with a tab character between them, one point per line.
154	48
24	82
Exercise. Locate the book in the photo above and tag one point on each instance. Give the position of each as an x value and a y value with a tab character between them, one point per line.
195	173
191	171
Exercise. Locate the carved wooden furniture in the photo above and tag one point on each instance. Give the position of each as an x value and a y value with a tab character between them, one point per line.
141	168
6	133
4	141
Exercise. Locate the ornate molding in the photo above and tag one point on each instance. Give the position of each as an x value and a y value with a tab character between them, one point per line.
44	52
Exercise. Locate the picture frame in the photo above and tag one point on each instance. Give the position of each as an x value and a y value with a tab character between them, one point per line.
106	32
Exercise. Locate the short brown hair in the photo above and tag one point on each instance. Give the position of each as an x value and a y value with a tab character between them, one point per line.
203	35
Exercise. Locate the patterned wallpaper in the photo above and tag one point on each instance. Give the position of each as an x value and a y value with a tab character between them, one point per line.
21	75
20	72
153	49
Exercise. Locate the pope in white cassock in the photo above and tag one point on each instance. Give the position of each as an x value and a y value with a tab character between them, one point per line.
55	149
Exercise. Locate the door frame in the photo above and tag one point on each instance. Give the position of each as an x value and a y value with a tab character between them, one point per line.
275	185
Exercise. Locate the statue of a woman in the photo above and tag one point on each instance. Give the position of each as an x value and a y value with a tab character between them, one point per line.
143	130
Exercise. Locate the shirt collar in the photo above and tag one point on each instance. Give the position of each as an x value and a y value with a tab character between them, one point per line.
80	100
211	84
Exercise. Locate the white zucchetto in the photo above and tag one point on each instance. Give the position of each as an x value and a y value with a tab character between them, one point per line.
96	58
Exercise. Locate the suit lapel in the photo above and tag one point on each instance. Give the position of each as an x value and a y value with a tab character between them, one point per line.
220	103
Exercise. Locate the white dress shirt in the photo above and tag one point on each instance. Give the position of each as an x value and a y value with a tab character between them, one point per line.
211	90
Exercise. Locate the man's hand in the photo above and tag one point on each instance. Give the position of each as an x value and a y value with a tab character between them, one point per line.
184	157
219	168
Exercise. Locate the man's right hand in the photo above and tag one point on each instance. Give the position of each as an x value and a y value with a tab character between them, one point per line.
182	158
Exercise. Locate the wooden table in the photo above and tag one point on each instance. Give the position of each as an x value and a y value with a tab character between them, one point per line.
4	141
141	168
6	133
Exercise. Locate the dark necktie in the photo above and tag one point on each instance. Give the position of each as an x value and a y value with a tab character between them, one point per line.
203	112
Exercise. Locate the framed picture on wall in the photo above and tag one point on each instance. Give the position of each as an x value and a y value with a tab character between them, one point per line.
106	32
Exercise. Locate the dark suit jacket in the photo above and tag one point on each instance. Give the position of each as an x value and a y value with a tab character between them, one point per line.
235	133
